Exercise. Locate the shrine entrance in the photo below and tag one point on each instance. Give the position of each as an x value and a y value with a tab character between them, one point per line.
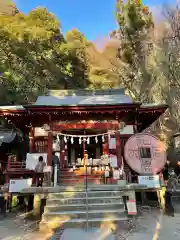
78	146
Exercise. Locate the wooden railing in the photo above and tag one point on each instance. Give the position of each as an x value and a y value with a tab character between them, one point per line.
15	165
41	146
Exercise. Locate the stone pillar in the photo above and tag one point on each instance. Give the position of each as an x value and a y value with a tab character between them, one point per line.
118	148
31	140
50	148
37	206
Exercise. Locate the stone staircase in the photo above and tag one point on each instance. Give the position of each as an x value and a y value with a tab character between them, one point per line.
69	177
79	209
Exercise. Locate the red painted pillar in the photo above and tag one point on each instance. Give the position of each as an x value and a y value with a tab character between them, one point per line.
50	148
105	146
62	152
31	140
65	154
118	148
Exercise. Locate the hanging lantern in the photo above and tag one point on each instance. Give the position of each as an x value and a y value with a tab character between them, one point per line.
65	139
96	139
103	138
80	140
88	140
72	140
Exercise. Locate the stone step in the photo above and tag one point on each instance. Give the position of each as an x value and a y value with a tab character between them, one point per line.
92	206
82	200
66	215
80	181
62	176
76	194
80	223
83	180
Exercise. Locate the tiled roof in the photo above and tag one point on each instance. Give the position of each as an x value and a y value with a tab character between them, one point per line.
83	100
86	92
84	97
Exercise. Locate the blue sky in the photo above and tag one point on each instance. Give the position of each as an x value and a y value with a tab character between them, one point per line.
95	18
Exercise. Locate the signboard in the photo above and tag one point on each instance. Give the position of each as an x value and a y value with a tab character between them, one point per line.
131	207
105	159
32	159
113	161
149	181
17	185
112	143
106	174
89	161
116	174
145	154
96	162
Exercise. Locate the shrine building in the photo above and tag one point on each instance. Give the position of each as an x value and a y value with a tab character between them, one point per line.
77	122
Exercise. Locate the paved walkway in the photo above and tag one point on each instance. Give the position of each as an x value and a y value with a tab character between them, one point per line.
157	227
152	226
13	227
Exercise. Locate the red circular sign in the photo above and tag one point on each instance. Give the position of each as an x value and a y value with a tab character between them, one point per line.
145	153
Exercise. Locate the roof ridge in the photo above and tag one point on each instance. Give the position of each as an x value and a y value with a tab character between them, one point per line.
86	92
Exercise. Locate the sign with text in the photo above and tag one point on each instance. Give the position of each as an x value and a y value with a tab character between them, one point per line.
32	159
113	161
149	181
131	207
112	143
17	185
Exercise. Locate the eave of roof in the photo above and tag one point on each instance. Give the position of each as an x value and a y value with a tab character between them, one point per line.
145	107
12	108
82	107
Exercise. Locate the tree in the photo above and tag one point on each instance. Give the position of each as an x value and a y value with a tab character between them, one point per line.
7	7
101	74
35	56
76	44
167	59
26	51
135	29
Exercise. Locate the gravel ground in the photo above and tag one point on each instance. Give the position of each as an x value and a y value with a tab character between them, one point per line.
151	226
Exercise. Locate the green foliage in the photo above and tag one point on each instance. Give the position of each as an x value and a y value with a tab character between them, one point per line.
76	45
35	56
135	25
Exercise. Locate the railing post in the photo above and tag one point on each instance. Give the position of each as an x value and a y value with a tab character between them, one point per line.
87	222
55	175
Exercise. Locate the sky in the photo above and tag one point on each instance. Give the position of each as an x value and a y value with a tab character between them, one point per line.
95	18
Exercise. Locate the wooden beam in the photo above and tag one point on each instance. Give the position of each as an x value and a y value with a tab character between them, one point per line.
31	140
65	126
50	148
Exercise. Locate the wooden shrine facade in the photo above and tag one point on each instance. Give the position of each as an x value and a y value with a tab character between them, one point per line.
26	118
